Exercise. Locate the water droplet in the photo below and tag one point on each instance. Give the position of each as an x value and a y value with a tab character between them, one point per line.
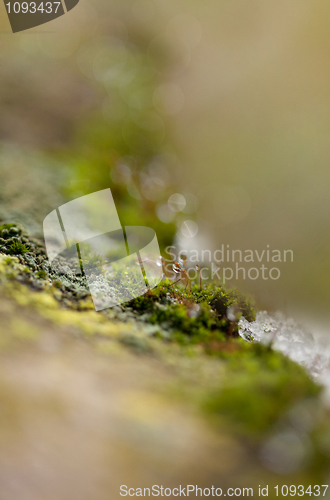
177	202
164	213
189	229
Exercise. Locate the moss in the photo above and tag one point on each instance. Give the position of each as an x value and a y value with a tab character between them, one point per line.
198	316
7	226
240	388
41	274
17	248
15	241
195	316
259	386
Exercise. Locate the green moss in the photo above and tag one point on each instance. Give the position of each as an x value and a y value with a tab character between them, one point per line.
17	248
259	386
7	226
196	316
42	274
240	388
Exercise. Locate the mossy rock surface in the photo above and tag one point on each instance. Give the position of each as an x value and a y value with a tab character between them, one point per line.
163	375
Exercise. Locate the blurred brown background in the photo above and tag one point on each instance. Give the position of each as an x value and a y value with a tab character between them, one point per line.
240	100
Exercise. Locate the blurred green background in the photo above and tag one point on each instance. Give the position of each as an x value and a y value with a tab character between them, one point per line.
226	103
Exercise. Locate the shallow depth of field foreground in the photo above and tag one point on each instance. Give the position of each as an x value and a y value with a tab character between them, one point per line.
209	124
